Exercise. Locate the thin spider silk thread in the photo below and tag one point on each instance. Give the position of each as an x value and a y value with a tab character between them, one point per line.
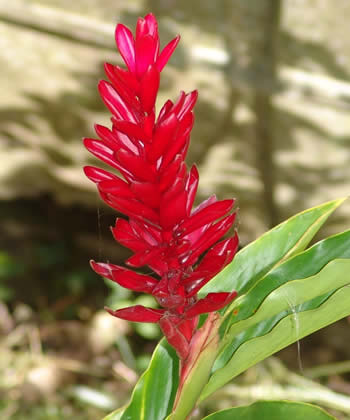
297	330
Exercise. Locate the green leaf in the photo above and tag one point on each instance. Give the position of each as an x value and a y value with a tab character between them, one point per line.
303	265
154	394
115	415
278	322
272	410
271	249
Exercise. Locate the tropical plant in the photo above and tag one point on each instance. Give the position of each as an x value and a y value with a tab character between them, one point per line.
217	322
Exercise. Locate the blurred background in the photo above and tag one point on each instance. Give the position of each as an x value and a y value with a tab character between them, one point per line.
272	129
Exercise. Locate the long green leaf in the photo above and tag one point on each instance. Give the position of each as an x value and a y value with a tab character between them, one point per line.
303	265
297	292
271	249
272	410
154	394
115	415
293	326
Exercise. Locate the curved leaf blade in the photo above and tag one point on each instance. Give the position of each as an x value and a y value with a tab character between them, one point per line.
271	249
286	332
297	292
154	394
115	415
303	265
272	410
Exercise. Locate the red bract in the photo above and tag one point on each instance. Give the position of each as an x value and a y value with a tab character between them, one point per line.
157	193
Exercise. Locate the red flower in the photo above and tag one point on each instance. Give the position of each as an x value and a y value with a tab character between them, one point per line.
157	192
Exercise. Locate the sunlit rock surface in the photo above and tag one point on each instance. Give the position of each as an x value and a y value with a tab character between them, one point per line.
49	101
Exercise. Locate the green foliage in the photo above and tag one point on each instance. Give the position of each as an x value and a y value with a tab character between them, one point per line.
285	293
272	410
154	393
9	268
118	295
302	266
278	322
50	255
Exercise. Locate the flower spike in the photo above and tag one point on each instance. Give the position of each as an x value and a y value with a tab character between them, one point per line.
156	192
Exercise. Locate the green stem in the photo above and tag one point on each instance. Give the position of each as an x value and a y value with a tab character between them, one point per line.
195	370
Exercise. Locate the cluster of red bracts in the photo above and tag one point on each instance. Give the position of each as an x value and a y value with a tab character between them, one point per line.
157	193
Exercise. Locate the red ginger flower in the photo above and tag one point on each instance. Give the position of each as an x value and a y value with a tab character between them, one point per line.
158	192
